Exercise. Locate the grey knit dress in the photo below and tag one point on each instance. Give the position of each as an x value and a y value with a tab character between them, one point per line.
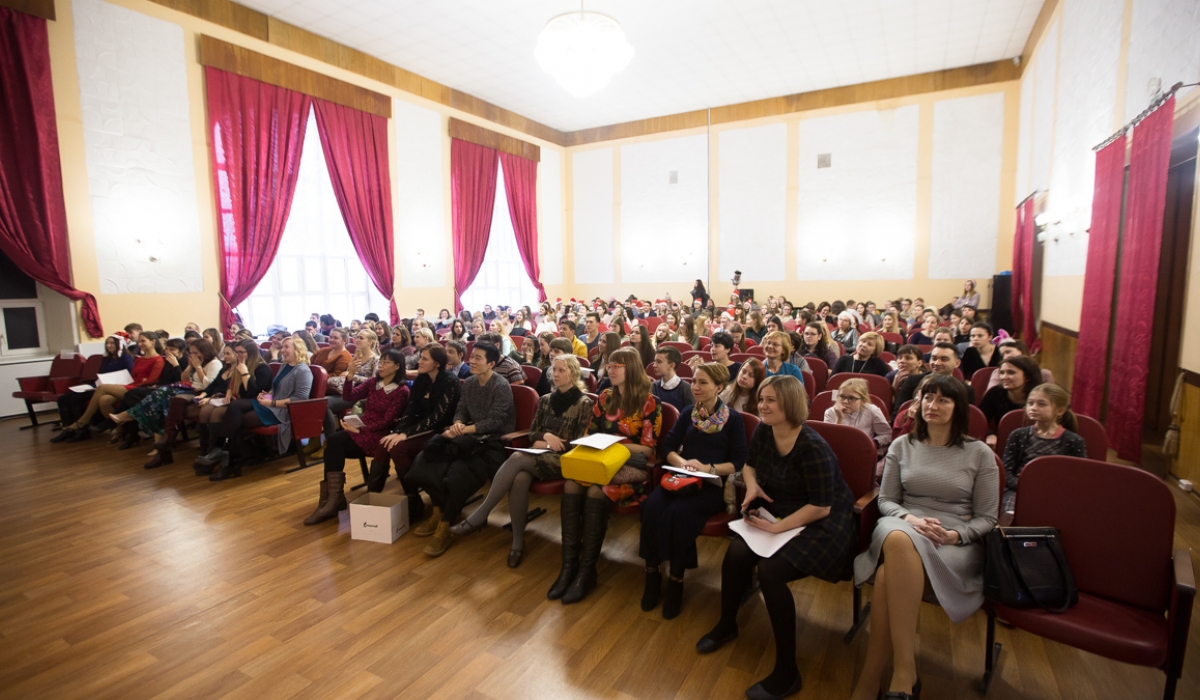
960	486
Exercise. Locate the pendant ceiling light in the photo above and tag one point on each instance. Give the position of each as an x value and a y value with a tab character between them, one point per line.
583	51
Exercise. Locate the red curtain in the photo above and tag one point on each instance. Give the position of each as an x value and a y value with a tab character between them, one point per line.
1023	242
1148	164
1091	362
356	152
257	133
472	195
33	216
520	187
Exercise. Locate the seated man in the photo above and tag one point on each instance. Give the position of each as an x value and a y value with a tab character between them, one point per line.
592	339
507	367
457	463
566	329
670	387
456	359
943	359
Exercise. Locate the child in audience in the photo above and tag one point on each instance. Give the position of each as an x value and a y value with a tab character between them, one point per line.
1053	433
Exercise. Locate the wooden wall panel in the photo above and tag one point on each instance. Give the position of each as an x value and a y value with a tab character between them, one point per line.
37	8
1058	353
1186	465
227	14
235	59
484	137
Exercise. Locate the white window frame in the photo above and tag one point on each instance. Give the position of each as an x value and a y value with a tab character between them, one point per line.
40	310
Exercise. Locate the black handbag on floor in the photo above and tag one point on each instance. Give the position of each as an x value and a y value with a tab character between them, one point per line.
1026	567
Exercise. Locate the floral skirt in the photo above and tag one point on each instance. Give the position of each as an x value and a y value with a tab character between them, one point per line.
151	412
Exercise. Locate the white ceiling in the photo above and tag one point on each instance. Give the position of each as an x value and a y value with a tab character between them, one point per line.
689	54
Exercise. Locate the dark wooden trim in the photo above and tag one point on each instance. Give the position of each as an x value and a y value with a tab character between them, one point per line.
949	79
1035	34
37	8
1190	377
466	131
1060	329
250	64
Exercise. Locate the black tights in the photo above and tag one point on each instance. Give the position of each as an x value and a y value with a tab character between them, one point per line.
773	577
240	414
338	448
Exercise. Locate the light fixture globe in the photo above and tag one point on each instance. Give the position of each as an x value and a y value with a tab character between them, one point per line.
583	51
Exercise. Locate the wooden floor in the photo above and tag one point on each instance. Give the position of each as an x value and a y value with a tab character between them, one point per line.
122	583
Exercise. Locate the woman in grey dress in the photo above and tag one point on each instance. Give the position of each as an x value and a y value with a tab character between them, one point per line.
939	497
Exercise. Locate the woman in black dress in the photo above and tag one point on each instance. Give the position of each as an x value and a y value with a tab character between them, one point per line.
1018	376
791	472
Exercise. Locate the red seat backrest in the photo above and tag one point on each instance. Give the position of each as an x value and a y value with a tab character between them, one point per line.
979	382
532	374
91	368
1093	434
979	425
320	381
855	451
810	384
1010	422
679	345
584	362
876	385
756	351
820	372
64	367
308	417
883	406
1122	556
684	370
821	403
525	398
750	422
275	367
893	337
705	341
652	322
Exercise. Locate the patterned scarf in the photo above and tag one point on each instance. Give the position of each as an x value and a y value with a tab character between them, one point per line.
713	422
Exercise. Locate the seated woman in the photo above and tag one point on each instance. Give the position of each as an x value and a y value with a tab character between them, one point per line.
981	352
310	344
627	409
433	399
756	328
214	337
1054	432
775	325
939	499
709	437
910	361
721	347
663	334
742	394
248	375
386	398
71	405
457	463
171	403
562	416
558	346
687	331
1018	376
906	419
819	344
608	344
639	339
865	359
854	408
738	333
458	331
889	322
846	333
929	326
147	368
962	331
291	384
443	320
792	473
1011	347
969	297
778	347
362	365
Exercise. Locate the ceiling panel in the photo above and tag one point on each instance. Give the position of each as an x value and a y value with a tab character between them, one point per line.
688	55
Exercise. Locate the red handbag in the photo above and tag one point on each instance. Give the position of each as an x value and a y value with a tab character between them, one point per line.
680	484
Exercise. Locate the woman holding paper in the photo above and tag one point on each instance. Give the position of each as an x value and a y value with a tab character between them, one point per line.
939	498
73	403
708	439
792	481
562	416
628	410
386	398
146	369
248	374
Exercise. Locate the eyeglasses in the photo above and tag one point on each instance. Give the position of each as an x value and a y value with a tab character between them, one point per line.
849	399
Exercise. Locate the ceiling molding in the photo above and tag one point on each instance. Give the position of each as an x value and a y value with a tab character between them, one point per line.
949	79
466	131
286	36
272	71
37	8
1039	28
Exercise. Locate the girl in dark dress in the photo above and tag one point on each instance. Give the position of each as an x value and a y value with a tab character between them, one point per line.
1054	432
792	472
710	438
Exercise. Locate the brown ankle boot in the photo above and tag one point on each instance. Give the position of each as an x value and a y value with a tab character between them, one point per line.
440	541
161	458
333	498
430	525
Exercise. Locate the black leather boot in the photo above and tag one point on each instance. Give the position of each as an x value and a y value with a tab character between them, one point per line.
572	527
595	526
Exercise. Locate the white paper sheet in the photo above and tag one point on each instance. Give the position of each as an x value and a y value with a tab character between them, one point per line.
530	450
82	388
354	421
121	376
598	441
703	475
763	543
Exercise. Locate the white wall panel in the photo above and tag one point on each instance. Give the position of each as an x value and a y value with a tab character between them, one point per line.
1087	91
1043	110
664	224
550	225
753	203
1025	139
1164	44
421	227
592	185
968	140
138	148
858	217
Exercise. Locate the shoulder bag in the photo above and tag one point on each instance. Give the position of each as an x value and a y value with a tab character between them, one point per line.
1026	567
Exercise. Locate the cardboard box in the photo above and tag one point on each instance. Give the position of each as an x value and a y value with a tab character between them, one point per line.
379	517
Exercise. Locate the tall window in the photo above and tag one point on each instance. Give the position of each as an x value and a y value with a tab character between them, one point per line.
502	280
316	269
